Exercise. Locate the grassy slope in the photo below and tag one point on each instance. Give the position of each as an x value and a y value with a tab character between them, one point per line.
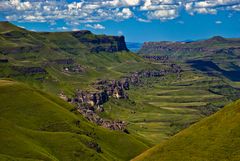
212	139
161	107
156	110
35	125
97	65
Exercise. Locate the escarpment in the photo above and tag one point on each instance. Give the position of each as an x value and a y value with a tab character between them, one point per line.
164	47
20	41
91	103
101	43
215	45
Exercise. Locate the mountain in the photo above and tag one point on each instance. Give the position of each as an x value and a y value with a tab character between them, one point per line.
38	126
134	100
50	58
214	138
81	40
221	52
205	48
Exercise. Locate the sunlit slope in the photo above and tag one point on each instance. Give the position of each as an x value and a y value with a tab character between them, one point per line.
38	126
50	52
215	138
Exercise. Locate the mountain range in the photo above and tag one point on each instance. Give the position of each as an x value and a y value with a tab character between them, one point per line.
79	96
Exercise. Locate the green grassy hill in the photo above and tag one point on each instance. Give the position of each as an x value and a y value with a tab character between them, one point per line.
38	126
41	125
25	49
212	139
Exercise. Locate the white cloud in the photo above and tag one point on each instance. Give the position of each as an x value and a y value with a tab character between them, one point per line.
63	28
218	22
159	5
210	6
163	14
75	5
205	10
126	13
75	29
120	3
120	33
95	11
234	7
143	20
189	6
95	26
131	2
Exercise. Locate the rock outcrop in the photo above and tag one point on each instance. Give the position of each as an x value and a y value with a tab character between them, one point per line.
136	77
112	125
101	43
89	104
215	45
161	59
74	69
20	49
4	61
29	70
168	47
21	41
14	34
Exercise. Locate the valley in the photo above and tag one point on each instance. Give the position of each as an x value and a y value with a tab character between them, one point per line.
76	95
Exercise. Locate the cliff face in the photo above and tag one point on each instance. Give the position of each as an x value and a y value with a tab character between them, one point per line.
166	47
72	42
99	43
214	45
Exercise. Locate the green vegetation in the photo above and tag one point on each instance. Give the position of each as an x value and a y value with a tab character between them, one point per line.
38	126
214	138
160	108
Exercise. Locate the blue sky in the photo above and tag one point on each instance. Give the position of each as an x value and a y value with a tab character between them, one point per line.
137	20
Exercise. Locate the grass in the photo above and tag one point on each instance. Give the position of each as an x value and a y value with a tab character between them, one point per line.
161	108
38	126
214	138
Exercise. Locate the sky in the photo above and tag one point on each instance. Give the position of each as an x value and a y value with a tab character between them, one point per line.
137	20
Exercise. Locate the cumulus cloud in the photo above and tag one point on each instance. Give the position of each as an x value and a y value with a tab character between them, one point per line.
125	13
95	26
210	6
94	11
163	14
131	2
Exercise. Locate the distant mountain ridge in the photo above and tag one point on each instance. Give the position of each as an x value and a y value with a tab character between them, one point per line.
213	45
83	40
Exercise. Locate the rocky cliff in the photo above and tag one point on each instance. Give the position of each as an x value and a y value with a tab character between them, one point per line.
214	45
17	41
101	42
